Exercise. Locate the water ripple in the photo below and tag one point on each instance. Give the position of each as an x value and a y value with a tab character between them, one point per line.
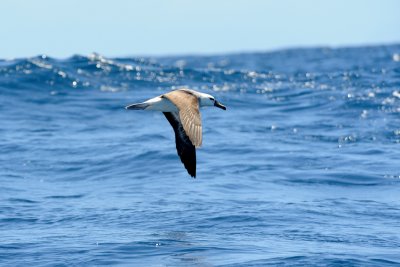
302	168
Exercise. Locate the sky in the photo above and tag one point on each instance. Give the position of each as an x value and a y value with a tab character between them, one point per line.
176	27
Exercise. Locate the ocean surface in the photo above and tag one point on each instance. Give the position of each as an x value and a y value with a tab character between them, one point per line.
302	169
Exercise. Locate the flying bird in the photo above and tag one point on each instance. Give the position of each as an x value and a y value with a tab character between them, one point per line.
181	108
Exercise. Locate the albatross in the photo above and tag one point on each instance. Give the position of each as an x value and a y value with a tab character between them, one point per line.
181	108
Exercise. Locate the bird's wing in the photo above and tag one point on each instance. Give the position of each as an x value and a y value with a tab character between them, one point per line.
186	150
189	114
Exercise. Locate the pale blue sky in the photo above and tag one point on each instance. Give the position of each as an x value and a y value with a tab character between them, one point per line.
163	27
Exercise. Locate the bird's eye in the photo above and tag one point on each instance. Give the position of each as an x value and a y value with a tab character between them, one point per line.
212	99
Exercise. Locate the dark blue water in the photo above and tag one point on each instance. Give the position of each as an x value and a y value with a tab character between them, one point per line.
302	169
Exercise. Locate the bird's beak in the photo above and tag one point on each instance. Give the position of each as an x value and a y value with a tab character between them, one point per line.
219	105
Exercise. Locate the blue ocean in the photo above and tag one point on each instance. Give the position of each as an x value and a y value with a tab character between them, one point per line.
302	169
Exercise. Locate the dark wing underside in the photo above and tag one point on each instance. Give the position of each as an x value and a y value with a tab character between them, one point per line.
186	150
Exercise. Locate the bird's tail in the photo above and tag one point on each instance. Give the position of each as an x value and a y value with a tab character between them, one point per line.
138	106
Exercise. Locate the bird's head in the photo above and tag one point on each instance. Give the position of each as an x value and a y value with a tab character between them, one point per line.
209	100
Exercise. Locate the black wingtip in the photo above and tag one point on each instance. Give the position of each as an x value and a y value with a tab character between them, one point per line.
190	169
186	150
